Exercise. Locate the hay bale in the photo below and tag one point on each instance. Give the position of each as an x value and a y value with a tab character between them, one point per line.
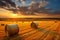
11	29
34	25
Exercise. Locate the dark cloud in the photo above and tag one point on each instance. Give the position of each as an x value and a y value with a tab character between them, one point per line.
34	6
7	3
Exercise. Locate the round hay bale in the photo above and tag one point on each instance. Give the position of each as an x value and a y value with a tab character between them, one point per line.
2	24
34	25
11	29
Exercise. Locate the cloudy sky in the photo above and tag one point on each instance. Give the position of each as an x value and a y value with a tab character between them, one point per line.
53	4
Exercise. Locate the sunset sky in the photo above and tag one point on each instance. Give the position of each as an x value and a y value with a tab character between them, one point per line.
53	4
53	7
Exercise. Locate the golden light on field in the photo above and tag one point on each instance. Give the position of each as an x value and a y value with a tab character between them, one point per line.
27	32
45	30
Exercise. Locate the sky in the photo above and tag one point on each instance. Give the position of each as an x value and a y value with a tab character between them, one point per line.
9	14
53	4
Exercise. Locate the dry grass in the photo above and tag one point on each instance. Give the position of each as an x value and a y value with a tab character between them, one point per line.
28	33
